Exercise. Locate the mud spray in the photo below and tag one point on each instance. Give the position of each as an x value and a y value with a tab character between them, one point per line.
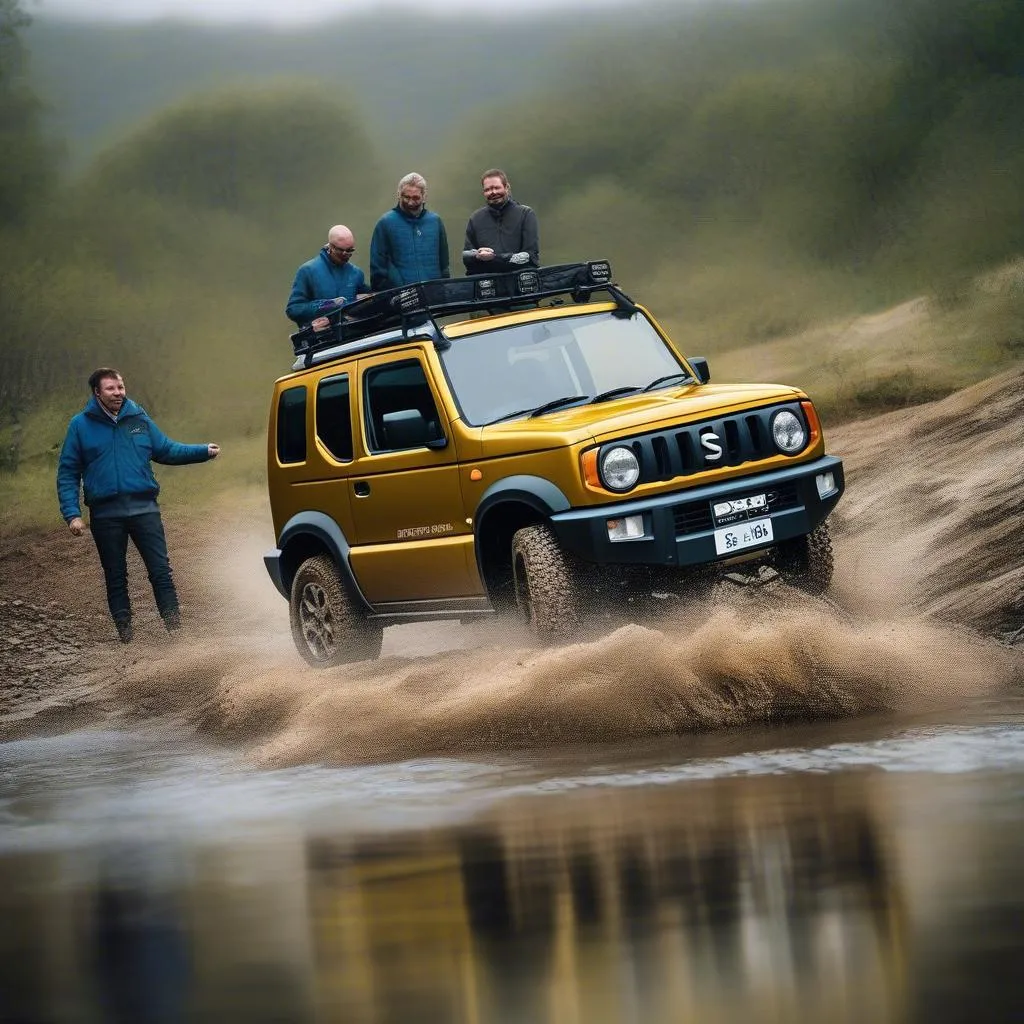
746	657
738	661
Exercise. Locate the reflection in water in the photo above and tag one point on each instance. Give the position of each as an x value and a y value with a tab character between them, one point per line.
787	898
692	905
138	943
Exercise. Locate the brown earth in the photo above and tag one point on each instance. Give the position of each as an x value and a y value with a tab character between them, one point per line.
928	598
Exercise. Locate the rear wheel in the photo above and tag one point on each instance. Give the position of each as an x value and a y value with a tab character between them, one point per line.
327	626
807	562
546	588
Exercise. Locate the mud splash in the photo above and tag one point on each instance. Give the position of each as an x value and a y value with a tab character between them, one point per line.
929	565
735	664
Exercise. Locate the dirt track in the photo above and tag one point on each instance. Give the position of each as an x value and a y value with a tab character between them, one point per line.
929	532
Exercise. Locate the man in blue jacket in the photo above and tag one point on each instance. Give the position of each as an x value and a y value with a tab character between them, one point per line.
107	452
409	243
327	281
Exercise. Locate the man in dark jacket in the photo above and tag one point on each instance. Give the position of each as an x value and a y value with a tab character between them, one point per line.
409	243
107	452
502	235
327	281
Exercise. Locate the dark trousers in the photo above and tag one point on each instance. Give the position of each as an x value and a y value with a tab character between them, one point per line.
147	534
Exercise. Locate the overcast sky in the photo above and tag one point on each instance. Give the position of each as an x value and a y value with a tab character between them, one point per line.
286	12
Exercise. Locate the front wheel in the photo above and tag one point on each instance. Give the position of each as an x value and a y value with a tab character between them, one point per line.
807	562
327	626
547	592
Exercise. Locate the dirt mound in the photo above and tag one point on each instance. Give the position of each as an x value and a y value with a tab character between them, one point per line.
931	518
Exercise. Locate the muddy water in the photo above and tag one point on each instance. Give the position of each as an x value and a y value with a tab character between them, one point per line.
860	869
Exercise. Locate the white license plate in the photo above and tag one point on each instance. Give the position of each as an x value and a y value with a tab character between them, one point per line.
730	539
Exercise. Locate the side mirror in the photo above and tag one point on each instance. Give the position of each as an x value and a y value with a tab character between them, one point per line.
699	365
407	428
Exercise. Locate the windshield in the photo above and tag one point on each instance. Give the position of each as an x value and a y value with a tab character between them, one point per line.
498	374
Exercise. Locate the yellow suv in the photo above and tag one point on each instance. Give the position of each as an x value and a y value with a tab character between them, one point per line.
532	443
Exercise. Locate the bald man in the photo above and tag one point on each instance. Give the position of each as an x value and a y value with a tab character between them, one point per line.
327	281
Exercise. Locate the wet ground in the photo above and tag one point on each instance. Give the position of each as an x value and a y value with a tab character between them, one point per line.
758	808
868	869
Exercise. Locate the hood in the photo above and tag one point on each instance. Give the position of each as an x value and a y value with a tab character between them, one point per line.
631	415
637	414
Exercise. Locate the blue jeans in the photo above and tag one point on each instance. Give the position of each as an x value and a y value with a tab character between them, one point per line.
147	534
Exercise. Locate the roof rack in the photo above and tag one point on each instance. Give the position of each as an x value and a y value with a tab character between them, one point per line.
412	306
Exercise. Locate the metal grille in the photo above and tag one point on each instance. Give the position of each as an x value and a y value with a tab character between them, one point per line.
692	448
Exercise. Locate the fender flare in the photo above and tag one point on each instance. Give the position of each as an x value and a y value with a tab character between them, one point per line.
540	494
330	534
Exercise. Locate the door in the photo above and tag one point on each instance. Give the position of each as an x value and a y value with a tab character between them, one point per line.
410	523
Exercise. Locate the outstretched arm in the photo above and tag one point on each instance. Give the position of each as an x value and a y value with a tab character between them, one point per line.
174	453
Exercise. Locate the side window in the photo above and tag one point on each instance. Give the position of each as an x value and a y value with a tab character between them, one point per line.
291	425
400	408
333	418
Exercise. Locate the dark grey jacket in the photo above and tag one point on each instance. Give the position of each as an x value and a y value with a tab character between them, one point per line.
507	230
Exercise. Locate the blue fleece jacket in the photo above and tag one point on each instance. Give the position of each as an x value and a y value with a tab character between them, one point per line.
318	282
112	458
407	249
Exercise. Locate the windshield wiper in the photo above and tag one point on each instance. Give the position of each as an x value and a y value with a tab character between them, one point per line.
556	402
614	393
510	416
538	410
682	377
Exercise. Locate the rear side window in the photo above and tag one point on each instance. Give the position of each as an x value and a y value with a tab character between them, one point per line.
291	425
333	417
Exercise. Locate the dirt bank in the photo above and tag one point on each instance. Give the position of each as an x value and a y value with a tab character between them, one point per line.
930	573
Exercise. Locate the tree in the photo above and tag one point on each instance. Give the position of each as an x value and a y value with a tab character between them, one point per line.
26	171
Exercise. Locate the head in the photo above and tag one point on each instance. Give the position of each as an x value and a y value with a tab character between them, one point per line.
412	193
496	187
107	385
341	243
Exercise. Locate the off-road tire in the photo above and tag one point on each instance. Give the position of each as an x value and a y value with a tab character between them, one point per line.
807	562
546	587
327	625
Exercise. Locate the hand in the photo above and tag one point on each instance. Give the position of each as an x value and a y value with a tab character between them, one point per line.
321	323
213	450
519	257
76	526
486	253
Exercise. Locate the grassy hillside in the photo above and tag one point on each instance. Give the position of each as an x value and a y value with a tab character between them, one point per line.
412	76
757	166
756	172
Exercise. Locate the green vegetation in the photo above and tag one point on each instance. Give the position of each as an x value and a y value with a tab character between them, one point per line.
759	174
25	169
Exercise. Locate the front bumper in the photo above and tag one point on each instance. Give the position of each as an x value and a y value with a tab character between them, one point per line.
679	528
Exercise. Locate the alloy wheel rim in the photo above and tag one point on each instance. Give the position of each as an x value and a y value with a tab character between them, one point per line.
317	621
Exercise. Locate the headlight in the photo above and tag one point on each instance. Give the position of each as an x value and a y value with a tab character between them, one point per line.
788	432
620	469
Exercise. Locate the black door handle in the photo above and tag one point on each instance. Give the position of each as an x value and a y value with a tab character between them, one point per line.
362	488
